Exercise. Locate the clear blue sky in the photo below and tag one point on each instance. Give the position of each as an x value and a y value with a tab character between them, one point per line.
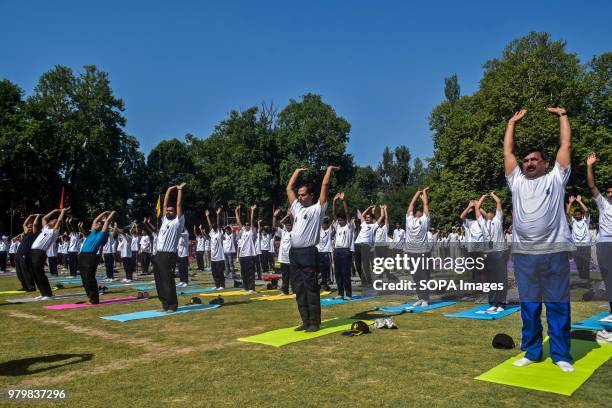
182	66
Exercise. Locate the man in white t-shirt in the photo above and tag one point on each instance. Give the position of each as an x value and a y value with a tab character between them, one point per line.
4	247
164	260
38	252
248	253
229	251
579	222
182	259
217	258
307	217
364	244
604	239
197	231
495	253
124	248
417	244
541	242
284	233
325	249
344	232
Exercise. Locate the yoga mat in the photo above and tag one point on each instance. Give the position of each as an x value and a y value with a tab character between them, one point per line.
60	297
478	313
120	285
149	314
282	297
180	291
407	307
234	293
331	302
546	376
12	292
593	323
102	303
282	337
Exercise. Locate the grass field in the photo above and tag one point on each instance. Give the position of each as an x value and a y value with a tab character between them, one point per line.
195	360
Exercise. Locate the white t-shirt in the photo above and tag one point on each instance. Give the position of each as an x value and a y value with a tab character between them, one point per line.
247	240
344	235
366	233
73	244
493	232
125	245
264	242
380	235
605	218
216	245
200	243
45	239
182	249
538	217
52	250
580	231
229	243
257	244
285	245
207	244
306	224
145	244
14	246
169	232
325	241
154	242
417	233
62	248
109	247
399	237
4	246
272	250
135	243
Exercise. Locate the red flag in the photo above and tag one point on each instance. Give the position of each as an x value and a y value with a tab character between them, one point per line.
61	204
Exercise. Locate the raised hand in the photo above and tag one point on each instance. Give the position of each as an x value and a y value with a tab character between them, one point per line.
572	199
253	207
342	196
494	196
207	213
276	212
579	198
181	186
518	116
333	168
337	196
591	159
218	211
557	111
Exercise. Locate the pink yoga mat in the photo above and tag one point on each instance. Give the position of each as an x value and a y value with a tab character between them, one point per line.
102	303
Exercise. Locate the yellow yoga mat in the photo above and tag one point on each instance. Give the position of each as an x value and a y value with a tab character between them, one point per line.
235	293
12	292
546	376
283	297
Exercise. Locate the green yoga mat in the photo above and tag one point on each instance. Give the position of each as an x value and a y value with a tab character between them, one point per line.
12	292
282	337
546	376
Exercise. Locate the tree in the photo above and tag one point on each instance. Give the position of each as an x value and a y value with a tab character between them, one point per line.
452	91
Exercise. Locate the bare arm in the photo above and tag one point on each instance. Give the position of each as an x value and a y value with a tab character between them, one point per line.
363	214
498	202
274	215
325	184
108	220
179	199
28	220
98	218
410	209
336	197
510	162
477	206
291	185
218	218
384	210
46	218
568	207
591	160
167	197
565	138
467	210
382	216
207	214
344	204
237	214
425	199
35	223
585	209
252	216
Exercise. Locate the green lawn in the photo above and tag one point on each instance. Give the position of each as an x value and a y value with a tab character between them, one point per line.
195	360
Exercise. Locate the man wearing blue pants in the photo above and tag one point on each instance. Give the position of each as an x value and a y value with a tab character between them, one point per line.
541	242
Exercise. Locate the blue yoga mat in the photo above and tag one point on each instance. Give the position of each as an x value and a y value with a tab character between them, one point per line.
414	309
331	301
149	314
478	313
593	323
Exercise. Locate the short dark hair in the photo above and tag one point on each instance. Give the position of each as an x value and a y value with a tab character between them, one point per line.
577	210
325	220
608	186
341	216
532	149
308	187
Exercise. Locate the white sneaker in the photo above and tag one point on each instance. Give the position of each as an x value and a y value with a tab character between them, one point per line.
499	309
124	281
220	288
417	303
38	297
424	303
565	366
604	336
491	309
522	362
45	297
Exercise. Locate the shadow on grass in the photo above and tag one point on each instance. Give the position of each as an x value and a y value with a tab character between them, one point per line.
22	366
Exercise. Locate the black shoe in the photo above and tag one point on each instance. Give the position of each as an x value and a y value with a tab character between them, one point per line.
312	328
301	327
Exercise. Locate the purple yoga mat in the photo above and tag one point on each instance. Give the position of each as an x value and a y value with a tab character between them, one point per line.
102	303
